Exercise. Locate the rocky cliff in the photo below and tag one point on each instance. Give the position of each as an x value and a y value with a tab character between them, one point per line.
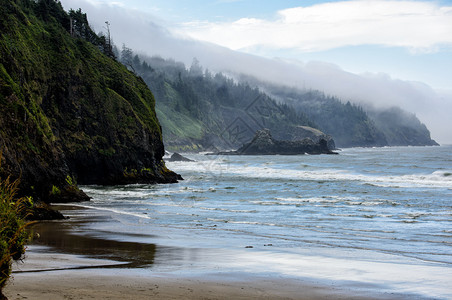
68	113
402	128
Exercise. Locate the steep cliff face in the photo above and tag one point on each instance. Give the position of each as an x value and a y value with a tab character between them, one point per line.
69	113
402	128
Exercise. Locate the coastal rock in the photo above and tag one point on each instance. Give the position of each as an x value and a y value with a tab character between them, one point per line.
264	144
177	157
42	211
302	132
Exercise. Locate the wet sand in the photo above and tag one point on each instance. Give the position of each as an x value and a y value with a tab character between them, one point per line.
126	284
67	263
119	283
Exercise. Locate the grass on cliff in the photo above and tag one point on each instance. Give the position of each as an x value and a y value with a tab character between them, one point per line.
13	234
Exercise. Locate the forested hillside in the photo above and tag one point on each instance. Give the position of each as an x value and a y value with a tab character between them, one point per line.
352	125
349	124
198	109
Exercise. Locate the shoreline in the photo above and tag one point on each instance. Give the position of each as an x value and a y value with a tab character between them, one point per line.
68	262
127	284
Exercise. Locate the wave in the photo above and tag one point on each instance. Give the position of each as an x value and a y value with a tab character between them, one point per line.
437	179
229	210
119	192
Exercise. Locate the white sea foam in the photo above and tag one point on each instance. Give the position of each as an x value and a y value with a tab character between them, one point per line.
118	192
437	179
113	210
228	210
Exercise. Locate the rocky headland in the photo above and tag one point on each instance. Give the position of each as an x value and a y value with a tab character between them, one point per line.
70	113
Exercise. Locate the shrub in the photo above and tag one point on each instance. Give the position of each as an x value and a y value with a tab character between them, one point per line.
13	234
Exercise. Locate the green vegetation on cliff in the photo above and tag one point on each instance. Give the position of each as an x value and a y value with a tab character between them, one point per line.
13	234
68	109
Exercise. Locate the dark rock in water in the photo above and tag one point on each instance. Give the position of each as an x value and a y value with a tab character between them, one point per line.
42	211
264	144
177	157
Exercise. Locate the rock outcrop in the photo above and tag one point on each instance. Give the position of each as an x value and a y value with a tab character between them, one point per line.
177	157
264	144
299	133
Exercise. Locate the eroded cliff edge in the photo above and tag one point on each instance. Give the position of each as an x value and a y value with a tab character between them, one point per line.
69	113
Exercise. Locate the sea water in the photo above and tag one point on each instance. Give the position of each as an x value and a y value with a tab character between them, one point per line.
371	215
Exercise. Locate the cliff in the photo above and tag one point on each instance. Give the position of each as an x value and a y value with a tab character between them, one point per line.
69	113
402	128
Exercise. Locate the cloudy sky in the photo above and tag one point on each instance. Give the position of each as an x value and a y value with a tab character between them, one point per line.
410	40
405	46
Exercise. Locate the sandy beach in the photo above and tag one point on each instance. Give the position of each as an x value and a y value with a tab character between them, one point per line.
66	261
46	276
127	284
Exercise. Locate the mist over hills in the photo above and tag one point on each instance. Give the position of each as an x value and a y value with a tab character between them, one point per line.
351	124
199	110
197	106
202	111
147	34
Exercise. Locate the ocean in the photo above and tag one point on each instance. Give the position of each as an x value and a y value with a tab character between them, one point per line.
375	216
